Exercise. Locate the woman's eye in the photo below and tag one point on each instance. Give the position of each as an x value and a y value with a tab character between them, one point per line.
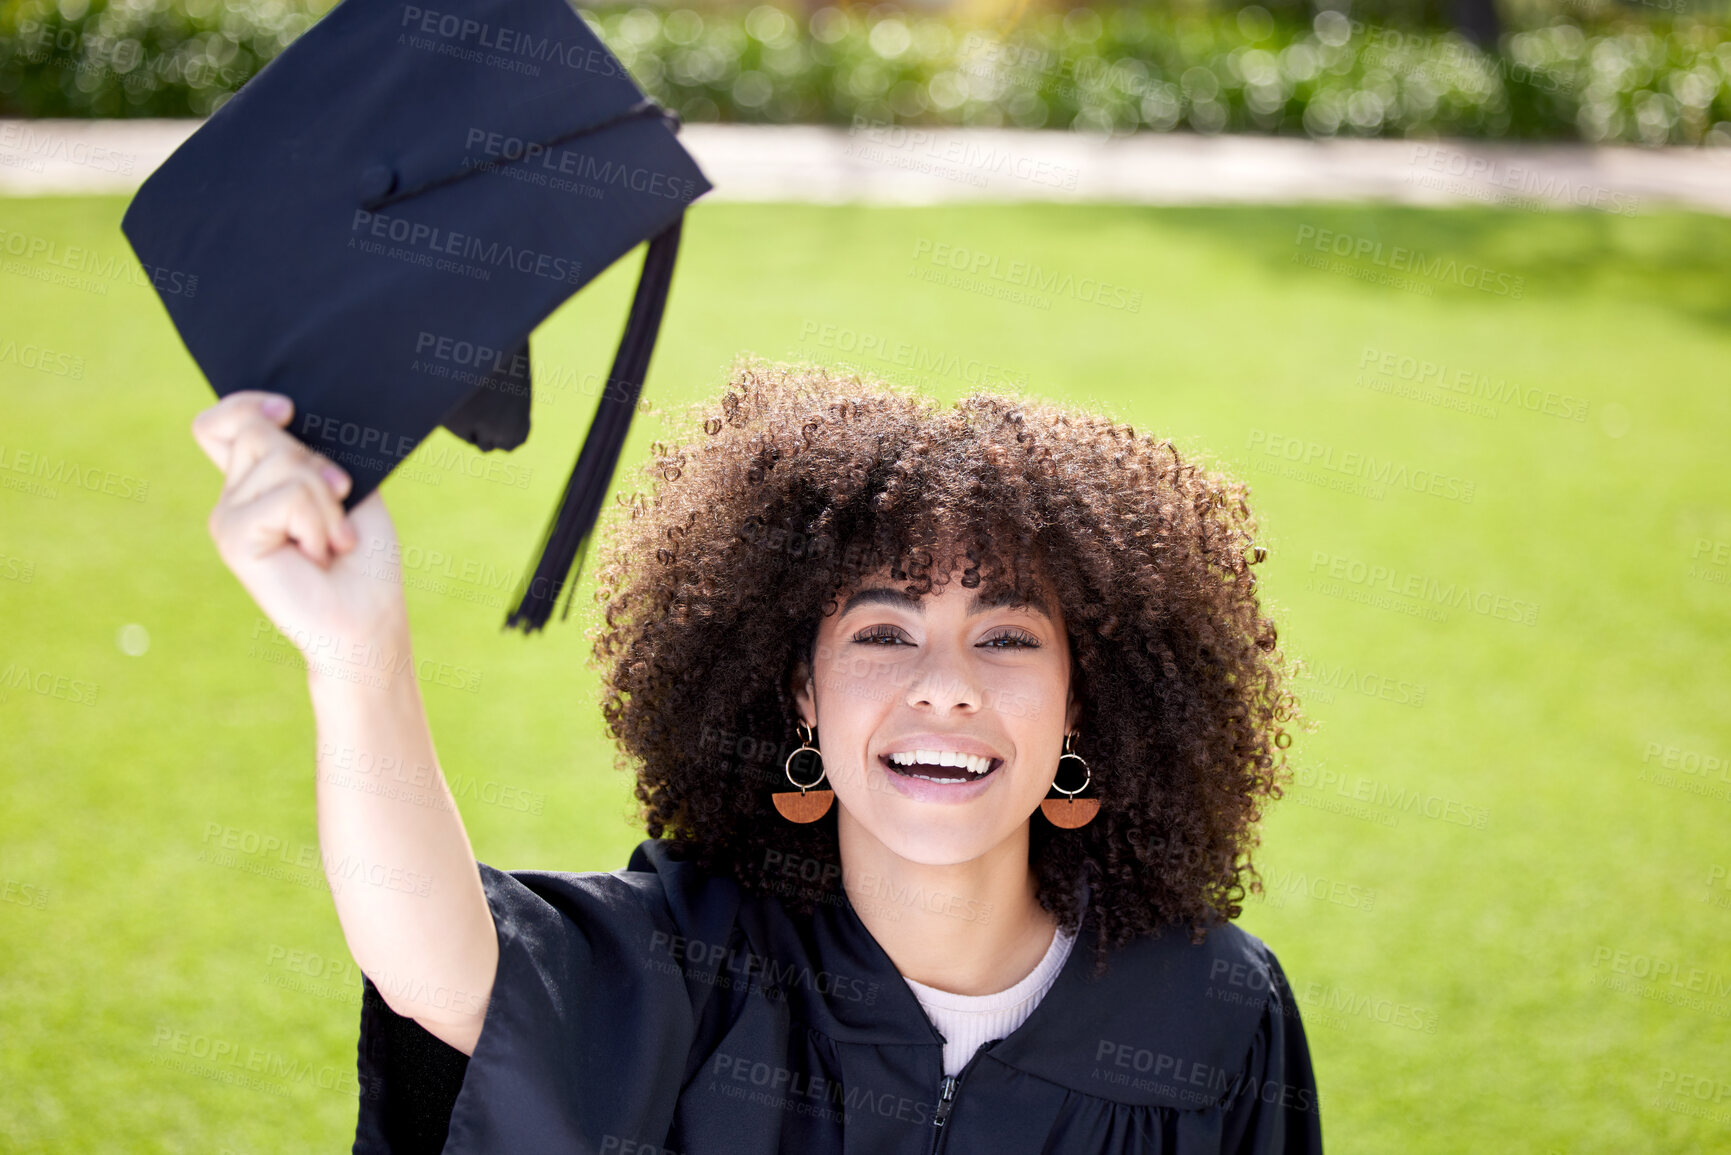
1015	638
878	634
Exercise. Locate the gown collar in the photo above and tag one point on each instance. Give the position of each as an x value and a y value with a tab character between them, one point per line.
891	1014
1182	1014
1175	1015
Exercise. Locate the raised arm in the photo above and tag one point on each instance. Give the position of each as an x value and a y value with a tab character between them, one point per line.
401	871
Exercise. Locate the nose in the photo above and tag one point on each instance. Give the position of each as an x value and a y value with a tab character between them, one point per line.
939	682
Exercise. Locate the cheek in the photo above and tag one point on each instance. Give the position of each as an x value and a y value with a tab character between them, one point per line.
1029	701
859	678
849	711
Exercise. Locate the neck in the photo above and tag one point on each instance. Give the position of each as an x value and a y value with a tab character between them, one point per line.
971	928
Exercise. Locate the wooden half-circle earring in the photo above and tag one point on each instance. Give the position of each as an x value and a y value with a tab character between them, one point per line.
806	804
1070	812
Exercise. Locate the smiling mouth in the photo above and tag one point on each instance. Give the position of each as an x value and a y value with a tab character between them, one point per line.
947	775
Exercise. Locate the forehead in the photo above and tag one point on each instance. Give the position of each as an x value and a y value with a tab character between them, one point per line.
876	592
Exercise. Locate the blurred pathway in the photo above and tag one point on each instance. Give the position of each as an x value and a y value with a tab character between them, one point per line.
894	165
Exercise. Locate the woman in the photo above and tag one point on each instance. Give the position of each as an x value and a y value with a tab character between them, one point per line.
918	698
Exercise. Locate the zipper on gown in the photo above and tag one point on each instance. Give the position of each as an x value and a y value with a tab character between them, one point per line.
945	1096
947	1089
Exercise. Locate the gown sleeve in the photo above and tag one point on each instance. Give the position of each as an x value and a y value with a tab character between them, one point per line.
1275	1109
588	1032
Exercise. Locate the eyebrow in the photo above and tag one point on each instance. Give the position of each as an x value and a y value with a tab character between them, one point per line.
980	602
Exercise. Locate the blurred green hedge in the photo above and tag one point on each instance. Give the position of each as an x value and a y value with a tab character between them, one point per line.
1579	69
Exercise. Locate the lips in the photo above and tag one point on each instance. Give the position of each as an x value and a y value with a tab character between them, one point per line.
940	774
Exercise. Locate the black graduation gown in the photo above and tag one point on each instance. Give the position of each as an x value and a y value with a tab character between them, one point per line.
659	1010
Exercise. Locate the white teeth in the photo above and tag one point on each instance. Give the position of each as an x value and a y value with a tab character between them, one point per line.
973	763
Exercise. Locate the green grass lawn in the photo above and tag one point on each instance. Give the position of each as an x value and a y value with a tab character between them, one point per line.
1484	863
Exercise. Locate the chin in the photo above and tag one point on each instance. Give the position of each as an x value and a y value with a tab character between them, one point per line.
937	842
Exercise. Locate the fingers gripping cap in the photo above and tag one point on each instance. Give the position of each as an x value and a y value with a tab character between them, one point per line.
377	221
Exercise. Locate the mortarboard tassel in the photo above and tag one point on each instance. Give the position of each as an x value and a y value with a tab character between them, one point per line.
566	541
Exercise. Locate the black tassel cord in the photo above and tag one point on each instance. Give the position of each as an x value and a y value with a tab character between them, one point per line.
565	544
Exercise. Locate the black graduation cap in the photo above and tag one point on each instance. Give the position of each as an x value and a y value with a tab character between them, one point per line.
374	224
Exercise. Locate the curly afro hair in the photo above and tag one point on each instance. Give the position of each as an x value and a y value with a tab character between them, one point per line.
803	482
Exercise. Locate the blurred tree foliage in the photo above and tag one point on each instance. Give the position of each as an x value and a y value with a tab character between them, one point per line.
1594	70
